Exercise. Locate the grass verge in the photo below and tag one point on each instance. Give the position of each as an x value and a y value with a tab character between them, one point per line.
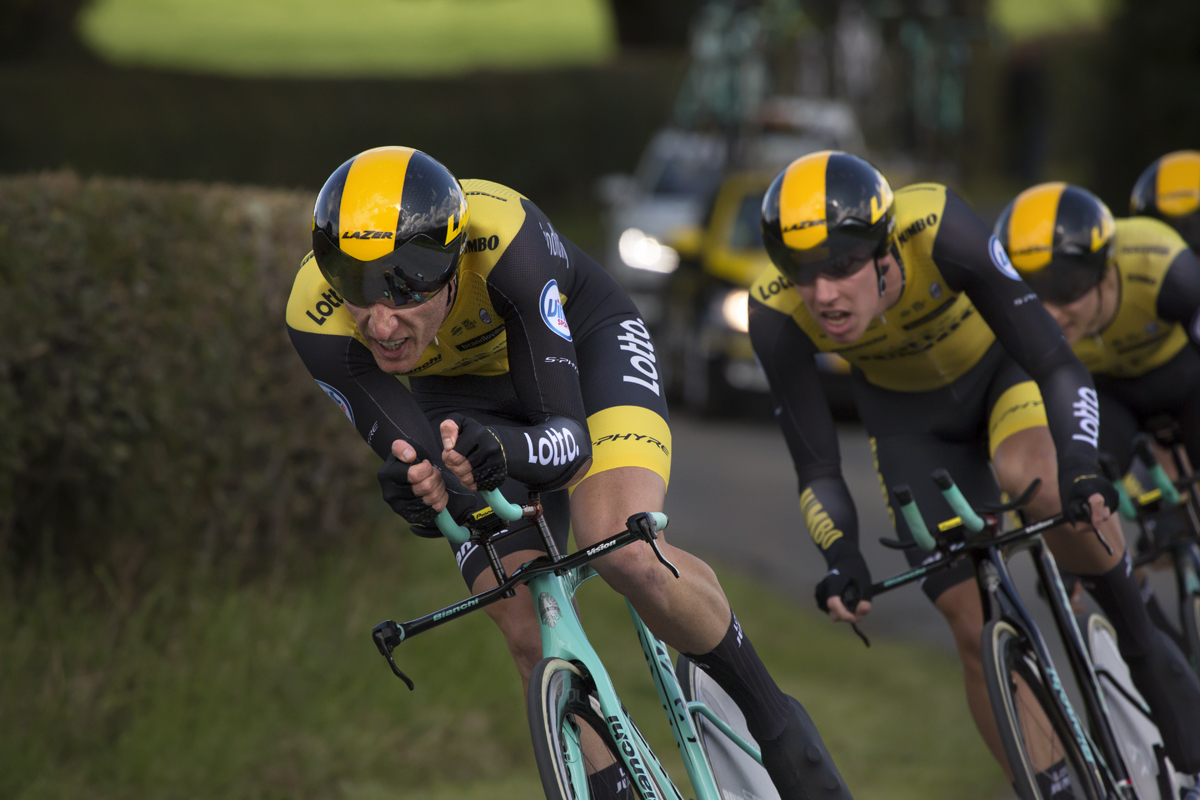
275	690
350	37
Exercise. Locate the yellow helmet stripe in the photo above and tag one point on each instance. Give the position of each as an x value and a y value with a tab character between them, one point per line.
371	201
1178	183
802	202
1031	226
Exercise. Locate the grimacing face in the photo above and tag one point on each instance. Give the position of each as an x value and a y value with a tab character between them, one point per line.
398	335
844	307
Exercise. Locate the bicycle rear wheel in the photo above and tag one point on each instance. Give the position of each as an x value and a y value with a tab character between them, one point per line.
562	708
1036	735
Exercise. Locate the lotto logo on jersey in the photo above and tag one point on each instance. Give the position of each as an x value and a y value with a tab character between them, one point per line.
338	398
1000	259
553	447
552	310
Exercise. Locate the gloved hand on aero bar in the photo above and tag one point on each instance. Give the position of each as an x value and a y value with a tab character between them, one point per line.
1076	485
848	570
400	494
481	446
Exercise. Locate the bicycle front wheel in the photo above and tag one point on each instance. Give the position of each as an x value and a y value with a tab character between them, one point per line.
1038	740
576	755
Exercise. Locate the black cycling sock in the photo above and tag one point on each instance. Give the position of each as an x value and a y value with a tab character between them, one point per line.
1054	783
738	670
1159	617
1119	596
610	783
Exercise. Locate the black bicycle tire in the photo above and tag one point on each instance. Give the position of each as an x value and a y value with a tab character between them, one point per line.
1189	617
557	691
1004	653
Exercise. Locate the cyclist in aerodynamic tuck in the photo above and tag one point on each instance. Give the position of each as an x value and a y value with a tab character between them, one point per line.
1126	294
952	356
528	369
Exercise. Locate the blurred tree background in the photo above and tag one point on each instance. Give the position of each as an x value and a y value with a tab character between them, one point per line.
989	95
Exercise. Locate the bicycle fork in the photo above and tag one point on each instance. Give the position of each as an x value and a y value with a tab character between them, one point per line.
1001	600
563	637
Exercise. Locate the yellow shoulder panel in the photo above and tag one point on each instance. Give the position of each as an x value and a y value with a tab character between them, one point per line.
771	289
314	307
496	217
1137	340
918	217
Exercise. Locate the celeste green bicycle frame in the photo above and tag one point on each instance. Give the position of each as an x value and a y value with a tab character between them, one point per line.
553	581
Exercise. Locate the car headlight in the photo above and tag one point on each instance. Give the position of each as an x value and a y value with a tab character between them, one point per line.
641	251
735	309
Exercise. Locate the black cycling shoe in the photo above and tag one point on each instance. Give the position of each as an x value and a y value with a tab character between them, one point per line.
798	763
1166	681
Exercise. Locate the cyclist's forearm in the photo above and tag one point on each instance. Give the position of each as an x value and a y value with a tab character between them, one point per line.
830	517
547	455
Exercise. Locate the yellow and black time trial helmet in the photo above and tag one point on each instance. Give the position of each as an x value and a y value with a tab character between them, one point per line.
1059	238
390	224
1170	190
827	213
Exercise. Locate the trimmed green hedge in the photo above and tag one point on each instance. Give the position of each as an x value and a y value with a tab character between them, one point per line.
151	401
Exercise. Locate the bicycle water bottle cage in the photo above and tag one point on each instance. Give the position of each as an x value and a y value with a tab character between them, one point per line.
387	635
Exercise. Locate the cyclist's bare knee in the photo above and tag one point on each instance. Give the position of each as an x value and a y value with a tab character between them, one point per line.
636	573
961	607
515	617
1023	456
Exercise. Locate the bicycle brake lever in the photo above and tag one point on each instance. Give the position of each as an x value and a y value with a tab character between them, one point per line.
386	636
663	559
1013	505
896	544
644	527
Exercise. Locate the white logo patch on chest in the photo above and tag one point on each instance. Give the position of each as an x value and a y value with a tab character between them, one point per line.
1000	259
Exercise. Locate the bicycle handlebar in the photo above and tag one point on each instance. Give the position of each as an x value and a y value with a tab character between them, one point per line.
958	503
509	512
916	524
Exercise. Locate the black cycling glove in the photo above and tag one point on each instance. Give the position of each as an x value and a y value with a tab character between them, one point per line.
848	571
481	445
399	494
1076	485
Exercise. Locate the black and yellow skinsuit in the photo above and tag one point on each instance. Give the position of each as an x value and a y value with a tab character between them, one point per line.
1146	361
947	372
538	339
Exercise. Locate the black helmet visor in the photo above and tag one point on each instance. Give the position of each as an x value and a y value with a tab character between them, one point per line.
847	250
1067	279
412	273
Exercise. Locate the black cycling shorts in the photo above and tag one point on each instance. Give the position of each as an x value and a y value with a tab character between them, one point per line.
955	427
626	419
1127	405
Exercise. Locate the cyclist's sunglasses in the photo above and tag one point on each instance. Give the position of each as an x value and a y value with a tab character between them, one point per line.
1066	280
409	275
844	254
